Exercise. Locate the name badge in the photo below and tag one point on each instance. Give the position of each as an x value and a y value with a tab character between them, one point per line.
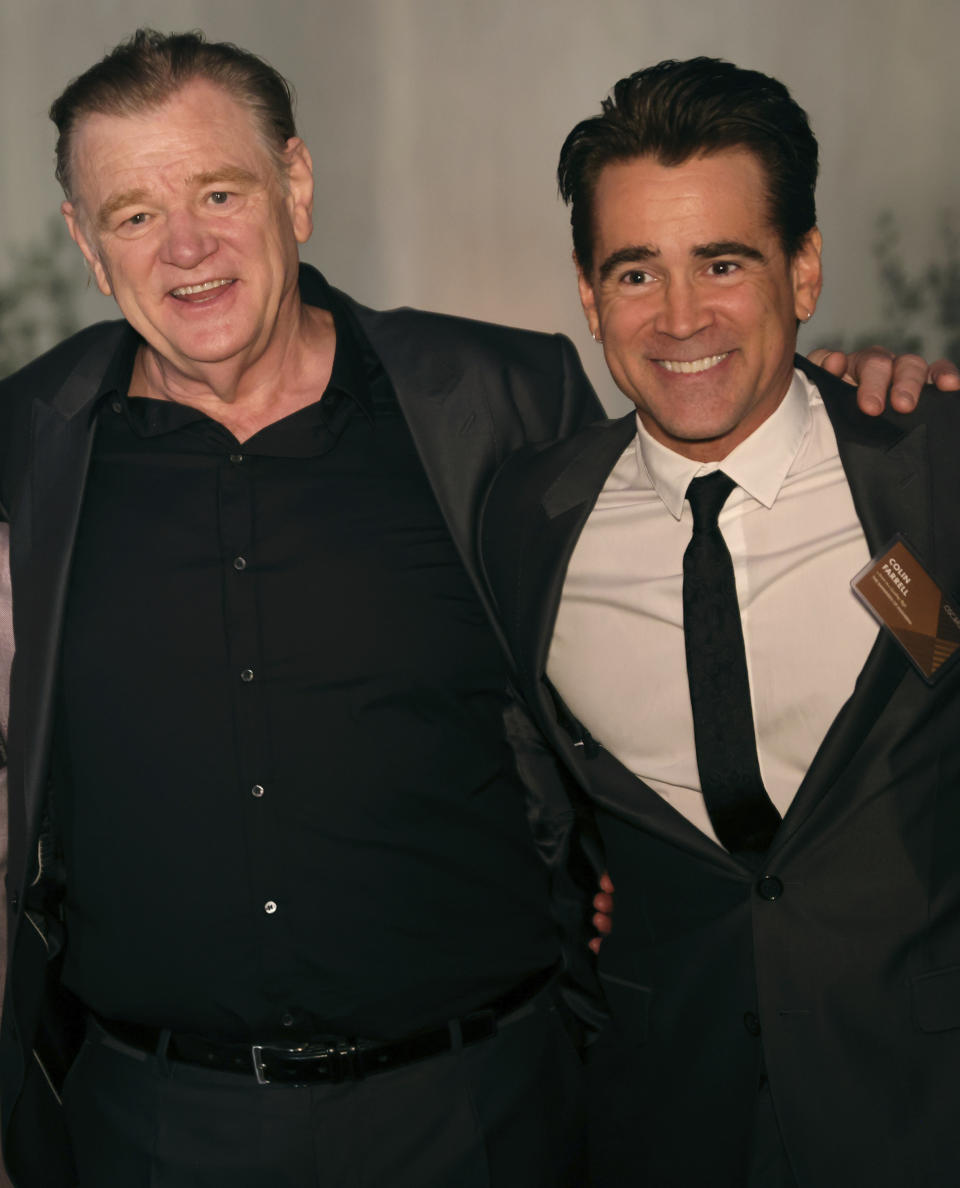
905	599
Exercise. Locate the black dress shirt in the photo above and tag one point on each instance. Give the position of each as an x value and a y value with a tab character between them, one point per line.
285	798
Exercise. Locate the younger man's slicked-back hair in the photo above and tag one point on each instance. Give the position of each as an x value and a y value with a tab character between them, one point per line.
677	110
148	68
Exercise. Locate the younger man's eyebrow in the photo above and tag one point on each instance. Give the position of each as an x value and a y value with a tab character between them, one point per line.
728	247
633	254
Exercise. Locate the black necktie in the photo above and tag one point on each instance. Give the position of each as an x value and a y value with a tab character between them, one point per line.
741	812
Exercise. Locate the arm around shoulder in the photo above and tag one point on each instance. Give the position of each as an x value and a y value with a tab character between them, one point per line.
579	404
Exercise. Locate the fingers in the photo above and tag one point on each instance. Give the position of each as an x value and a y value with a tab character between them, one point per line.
604	910
872	370
833	361
909	377
881	375
945	375
603	902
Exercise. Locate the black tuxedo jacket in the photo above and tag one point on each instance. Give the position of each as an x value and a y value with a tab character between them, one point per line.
837	965
471	393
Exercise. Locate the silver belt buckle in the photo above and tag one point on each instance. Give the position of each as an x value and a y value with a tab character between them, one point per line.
256	1051
342	1061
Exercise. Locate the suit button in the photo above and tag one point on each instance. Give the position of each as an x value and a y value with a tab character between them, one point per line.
752	1023
769	887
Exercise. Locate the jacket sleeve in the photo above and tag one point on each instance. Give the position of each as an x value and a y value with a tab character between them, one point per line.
580	404
565	839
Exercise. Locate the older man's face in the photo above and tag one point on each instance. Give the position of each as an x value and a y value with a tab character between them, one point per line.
185	219
693	297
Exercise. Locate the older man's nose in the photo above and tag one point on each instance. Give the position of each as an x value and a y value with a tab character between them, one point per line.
188	241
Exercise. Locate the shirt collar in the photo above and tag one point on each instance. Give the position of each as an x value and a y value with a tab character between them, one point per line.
116	378
350	365
353	363
758	465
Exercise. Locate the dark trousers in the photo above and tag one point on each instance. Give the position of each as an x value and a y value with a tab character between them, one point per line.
503	1113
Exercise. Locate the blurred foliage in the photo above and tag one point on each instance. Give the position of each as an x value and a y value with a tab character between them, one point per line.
921	309
39	296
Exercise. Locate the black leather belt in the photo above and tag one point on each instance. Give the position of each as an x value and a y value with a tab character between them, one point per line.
328	1059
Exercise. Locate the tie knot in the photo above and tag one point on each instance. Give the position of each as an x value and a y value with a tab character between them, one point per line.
707	496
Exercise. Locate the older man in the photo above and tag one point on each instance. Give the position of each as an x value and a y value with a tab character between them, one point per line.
257	703
774	779
269	850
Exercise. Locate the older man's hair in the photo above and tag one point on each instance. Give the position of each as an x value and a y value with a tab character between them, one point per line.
148	68
674	111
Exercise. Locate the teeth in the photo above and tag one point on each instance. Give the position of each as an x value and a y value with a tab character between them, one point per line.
684	367
186	290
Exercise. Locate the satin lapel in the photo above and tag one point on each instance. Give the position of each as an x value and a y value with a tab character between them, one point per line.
566	503
444	413
41	544
887	472
567	500
447	418
617	790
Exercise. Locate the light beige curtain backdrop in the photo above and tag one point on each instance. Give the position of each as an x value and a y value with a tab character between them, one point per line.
435	126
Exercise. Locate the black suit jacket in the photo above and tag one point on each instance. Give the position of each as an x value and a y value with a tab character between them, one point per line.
471	392
844	974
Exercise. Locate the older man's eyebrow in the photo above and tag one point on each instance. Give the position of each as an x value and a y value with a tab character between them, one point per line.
117	202
633	254
230	174
226	175
728	247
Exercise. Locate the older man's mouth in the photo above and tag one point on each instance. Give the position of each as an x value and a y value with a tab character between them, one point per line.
691	366
201	292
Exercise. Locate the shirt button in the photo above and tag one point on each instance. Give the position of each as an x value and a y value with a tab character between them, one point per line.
286	1019
752	1023
246	675
235	458
769	887
257	790
117	406
269	907
239	563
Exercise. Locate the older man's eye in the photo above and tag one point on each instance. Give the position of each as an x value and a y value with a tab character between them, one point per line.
138	219
219	197
724	267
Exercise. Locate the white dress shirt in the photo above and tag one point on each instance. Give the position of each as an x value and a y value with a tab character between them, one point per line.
617	656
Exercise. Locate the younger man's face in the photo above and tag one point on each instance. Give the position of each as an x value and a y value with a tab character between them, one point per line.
694	298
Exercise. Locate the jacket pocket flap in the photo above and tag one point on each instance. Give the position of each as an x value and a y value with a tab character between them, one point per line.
629	1005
